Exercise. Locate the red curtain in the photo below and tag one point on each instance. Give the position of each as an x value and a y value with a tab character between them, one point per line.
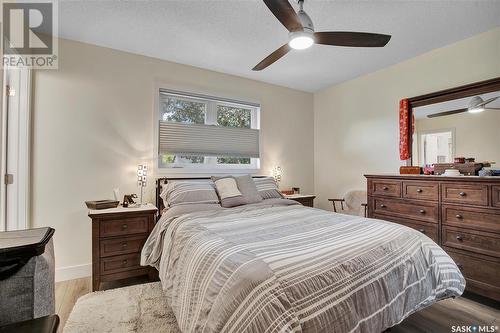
404	152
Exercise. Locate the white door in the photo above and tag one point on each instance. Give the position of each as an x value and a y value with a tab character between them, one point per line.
15	149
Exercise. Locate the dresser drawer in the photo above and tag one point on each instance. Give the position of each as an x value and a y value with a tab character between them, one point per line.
121	263
421	190
466	194
481	272
475	241
473	218
124	226
423	211
428	229
495	196
122	245
386	188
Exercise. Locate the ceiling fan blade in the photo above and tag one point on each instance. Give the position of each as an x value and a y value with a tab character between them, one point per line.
489	101
446	113
270	59
350	38
285	13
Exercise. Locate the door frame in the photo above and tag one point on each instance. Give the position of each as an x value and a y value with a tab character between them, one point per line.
15	208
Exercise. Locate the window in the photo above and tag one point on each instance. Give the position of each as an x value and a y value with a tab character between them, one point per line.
197	131
437	147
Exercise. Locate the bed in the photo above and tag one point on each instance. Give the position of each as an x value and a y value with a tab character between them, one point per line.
277	266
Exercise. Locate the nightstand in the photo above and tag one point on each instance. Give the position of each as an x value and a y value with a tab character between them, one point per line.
118	235
304	199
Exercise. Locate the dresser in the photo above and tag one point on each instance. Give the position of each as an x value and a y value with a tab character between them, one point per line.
304	199
118	235
461	214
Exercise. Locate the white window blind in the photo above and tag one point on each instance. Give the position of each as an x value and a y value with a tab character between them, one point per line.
208	140
199	131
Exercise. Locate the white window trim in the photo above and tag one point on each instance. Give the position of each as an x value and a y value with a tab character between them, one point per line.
206	168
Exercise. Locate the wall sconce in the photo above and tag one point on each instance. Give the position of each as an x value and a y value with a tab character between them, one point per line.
142	173
277	173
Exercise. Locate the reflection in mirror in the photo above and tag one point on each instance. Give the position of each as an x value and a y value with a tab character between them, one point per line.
466	127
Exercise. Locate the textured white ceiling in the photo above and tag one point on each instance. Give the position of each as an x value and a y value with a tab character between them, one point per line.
232	36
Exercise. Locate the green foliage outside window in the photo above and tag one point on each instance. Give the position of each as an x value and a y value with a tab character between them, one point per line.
183	111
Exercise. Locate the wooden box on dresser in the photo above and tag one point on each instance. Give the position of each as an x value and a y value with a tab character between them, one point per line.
118	235
461	214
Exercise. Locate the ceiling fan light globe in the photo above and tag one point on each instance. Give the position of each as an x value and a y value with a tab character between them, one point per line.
476	110
300	40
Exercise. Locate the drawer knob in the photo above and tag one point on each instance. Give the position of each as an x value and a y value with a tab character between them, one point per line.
382	206
124	262
459	238
462	194
460	267
422	231
419	190
458	216
385	188
124	226
124	245
422	211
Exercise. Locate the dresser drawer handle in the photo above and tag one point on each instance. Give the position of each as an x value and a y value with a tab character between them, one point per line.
124	245
459	238
124	263
462	194
458	216
419	190
382	206
385	188
422	231
124	226
422	211
460	267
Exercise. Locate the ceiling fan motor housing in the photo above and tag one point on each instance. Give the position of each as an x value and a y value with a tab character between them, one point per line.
306	21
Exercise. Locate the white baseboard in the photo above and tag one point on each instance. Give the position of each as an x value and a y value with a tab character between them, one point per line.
73	272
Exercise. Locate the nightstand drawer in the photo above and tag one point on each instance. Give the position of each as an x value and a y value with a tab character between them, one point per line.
117	246
121	263
124	226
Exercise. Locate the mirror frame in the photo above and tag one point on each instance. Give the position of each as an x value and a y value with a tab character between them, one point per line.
468	90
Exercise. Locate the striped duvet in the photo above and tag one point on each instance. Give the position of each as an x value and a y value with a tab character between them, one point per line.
295	269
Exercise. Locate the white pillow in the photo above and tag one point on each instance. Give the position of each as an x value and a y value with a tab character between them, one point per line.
227	188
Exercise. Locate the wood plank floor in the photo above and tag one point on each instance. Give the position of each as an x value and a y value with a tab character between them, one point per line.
438	318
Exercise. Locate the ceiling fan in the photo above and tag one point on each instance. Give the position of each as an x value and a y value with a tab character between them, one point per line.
476	105
303	36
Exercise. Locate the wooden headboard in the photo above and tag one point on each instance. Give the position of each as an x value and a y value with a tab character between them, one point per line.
163	181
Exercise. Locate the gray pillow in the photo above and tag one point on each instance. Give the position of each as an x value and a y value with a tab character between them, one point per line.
246	186
189	192
267	188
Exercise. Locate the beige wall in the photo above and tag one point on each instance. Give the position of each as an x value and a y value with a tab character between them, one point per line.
476	134
93	122
356	122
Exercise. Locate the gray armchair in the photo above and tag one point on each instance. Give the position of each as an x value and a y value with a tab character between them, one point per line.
29	292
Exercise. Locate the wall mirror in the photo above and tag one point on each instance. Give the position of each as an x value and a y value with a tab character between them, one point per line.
455	123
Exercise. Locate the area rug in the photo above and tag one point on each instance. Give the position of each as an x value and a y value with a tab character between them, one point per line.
140	308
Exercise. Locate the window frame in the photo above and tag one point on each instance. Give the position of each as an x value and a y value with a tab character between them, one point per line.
210	164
